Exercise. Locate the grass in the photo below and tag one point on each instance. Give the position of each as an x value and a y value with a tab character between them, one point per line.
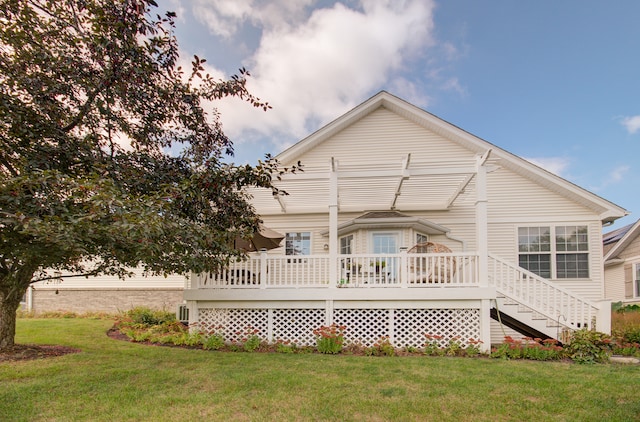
115	380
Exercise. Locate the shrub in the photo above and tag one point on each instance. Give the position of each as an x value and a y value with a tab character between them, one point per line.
329	339
626	349
453	347
432	345
213	342
625	324
588	346
473	347
528	348
286	347
187	338
251	344
147	316
382	347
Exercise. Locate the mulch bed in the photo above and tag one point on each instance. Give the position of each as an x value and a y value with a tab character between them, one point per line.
22	352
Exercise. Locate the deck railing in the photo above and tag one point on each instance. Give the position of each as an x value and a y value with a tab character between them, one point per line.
354	271
541	295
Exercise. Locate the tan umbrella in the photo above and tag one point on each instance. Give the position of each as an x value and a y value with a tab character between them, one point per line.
264	238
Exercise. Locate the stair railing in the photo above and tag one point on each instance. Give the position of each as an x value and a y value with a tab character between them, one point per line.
541	296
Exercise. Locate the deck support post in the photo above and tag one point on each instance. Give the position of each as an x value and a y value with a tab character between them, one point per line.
194	317
333	223
603	317
404	267
482	230
482	246
263	269
485	325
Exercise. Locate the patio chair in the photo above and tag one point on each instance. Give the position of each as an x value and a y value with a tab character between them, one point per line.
439	269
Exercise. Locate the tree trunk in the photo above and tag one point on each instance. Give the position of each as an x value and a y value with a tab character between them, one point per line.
8	308
12	287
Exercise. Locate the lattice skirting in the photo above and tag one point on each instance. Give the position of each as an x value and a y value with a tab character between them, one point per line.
405	327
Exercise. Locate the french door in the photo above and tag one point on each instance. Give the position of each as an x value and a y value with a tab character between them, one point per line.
385	243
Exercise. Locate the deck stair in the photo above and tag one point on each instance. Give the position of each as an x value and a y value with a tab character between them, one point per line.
525	320
534	305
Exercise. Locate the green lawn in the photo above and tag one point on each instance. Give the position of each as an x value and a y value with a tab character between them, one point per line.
113	380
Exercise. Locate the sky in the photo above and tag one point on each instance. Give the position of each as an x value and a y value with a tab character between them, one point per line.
555	82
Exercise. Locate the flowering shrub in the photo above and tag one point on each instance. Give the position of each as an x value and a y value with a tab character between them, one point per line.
623	348
432	345
454	347
528	348
473	347
249	340
329	339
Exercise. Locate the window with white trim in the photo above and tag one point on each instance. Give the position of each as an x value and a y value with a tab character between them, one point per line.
346	243
421	238
298	243
554	251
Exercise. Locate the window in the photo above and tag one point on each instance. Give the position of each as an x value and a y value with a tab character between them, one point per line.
298	243
345	244
421	238
572	246
636	280
534	248
385	243
554	252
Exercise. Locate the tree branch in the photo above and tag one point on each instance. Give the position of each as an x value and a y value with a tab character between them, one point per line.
56	277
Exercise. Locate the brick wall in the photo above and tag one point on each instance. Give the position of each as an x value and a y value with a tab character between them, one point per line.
96	300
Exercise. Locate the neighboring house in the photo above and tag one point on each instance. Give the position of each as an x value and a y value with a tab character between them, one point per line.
622	264
105	293
382	179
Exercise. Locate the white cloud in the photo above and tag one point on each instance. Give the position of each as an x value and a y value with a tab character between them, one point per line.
632	124
226	17
555	165
313	69
615	176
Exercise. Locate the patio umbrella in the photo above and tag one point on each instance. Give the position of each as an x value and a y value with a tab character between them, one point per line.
263	238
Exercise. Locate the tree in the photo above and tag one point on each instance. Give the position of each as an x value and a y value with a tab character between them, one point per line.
91	101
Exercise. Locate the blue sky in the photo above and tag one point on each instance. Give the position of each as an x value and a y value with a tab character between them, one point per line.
555	82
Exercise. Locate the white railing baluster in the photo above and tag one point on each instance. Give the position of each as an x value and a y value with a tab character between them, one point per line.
541	295
360	270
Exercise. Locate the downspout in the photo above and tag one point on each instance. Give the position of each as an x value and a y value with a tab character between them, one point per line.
29	298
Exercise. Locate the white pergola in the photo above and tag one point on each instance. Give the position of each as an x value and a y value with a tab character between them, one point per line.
403	186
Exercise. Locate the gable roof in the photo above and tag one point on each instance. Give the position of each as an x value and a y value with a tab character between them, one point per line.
606	210
619	239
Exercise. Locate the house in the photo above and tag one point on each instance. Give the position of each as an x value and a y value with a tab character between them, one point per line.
104	293
622	264
402	225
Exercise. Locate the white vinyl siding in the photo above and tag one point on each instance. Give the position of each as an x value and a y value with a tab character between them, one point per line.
383	139
614	282
138	281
